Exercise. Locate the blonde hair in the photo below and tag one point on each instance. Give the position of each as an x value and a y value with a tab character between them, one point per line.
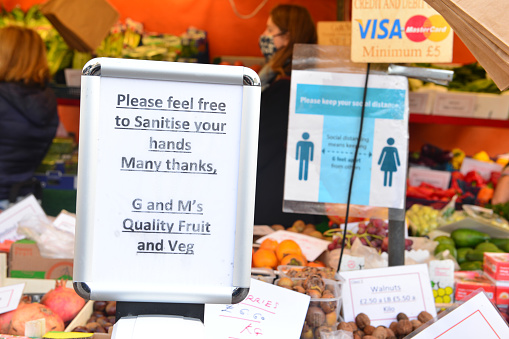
297	23
22	56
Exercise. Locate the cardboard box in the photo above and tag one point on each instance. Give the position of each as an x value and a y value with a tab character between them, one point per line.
501	291
83	24
492	106
455	104
496	265
470	281
81	319
421	102
25	261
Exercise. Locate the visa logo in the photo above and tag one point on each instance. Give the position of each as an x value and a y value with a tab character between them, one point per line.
380	29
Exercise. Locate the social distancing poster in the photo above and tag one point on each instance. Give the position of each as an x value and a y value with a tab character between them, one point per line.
323	135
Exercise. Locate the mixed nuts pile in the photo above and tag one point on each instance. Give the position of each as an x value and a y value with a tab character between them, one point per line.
362	328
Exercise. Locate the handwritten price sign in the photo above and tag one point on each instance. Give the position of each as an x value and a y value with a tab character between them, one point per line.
268	311
383	293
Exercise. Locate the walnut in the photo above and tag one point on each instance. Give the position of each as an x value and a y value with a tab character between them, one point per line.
354	325
328	306
393	326
390	333
345	326
380	333
401	316
404	327
359	333
299	289
369	329
314	282
362	320
415	324
424	317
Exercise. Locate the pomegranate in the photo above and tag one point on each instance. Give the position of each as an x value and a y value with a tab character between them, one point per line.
64	301
28	312
5	321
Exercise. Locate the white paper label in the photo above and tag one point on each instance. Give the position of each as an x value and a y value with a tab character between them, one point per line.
10	297
438	179
166	188
269	311
476	318
382	293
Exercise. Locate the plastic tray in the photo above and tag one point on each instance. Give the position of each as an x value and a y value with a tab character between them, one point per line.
293	271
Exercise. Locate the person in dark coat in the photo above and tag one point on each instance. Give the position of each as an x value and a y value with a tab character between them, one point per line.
286	25
28	108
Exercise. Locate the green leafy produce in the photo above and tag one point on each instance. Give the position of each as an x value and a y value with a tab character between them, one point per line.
500	209
469	78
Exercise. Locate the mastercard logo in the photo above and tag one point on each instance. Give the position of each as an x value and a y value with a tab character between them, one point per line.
419	28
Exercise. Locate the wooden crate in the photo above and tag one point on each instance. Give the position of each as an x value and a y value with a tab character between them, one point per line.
32	286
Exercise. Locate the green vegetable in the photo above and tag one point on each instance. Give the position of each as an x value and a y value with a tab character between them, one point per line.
478	253
471	266
468	238
442	247
462	253
502	243
487	247
443	239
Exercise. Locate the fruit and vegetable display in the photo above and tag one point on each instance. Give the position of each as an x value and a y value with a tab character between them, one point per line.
126	39
273	253
468	187
57	307
466	78
423	219
373	233
467	247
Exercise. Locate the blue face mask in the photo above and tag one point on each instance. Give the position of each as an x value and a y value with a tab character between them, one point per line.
267	46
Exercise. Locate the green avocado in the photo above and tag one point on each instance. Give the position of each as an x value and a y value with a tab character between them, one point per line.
501	243
478	253
487	247
471	266
443	239
464	237
442	247
462	252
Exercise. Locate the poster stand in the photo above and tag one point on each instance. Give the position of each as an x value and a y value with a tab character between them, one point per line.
166	190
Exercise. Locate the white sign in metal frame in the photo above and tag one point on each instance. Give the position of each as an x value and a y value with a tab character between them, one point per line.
166	181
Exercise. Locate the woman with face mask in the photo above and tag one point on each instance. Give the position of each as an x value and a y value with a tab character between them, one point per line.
286	25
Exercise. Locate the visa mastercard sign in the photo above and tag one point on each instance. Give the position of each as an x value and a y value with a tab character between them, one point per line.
387	31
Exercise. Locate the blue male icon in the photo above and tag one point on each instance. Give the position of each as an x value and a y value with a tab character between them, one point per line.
305	155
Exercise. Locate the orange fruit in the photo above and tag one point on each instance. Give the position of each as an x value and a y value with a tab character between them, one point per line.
269	244
294	260
316	263
286	247
264	258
